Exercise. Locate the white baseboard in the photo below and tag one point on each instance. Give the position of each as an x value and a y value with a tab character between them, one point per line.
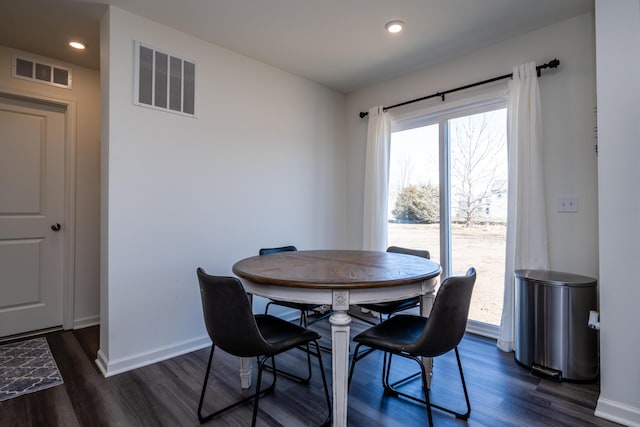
102	362
86	322
483	329
618	412
110	367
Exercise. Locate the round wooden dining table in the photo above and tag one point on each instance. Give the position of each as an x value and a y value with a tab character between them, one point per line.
338	278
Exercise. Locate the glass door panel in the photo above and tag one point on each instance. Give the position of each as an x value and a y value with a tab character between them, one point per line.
414	201
448	195
478	206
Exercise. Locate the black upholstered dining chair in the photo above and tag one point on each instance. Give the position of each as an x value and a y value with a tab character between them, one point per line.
303	308
233	327
413	337
391	307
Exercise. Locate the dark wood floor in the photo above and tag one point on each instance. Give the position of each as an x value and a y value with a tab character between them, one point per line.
166	393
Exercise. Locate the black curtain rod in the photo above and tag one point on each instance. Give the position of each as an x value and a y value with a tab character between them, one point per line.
551	64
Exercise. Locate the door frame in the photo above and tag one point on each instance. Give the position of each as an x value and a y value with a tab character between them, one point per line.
69	216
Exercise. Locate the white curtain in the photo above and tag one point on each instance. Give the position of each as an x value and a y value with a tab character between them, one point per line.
376	181
527	241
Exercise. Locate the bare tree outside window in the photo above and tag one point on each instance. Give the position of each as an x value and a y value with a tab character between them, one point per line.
478	168
405	171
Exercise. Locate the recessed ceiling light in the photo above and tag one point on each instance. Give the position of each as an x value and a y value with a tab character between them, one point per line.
77	44
394	26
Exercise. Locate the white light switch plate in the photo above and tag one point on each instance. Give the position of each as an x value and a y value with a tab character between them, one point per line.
567	203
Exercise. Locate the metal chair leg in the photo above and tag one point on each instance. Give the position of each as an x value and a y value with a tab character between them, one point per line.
261	366
328	420
352	367
391	389
385	375
204	418
381	319
295	377
317	353
425	389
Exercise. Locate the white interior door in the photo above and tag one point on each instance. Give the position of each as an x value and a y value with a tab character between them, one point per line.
32	142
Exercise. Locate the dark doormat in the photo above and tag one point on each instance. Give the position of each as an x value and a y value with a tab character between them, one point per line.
27	367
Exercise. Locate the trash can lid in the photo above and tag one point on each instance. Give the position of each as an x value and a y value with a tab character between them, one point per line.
557	278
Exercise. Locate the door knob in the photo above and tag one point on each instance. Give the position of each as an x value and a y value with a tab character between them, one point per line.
56	227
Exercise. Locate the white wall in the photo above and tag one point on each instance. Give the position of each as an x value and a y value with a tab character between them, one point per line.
568	99
618	67
261	165
85	92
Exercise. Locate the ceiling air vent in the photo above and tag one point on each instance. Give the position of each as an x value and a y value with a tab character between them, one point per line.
41	72
164	81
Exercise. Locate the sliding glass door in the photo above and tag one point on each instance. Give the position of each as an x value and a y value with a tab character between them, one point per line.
448	194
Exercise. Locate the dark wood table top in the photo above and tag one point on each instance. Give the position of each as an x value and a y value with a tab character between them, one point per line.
323	269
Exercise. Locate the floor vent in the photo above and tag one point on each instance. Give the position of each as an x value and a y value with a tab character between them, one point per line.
41	72
164	81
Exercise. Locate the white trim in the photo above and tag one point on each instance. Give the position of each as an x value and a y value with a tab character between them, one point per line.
118	366
15	75
68	311
86	322
430	114
102	361
618	412
68	269
483	329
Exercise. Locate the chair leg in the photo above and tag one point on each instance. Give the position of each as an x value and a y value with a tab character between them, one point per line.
406	379
354	359
320	317
328	420
261	366
460	415
317	353
386	371
464	387
386	367
385	383
295	377
425	389
391	389
204	418
266	307
204	388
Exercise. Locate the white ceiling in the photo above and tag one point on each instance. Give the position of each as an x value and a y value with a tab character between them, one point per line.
339	43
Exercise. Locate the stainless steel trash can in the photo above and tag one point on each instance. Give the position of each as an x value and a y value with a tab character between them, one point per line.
552	334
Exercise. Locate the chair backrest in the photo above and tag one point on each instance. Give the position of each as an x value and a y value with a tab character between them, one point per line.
266	251
448	319
415	252
228	316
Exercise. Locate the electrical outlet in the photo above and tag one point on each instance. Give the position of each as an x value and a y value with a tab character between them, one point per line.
568	204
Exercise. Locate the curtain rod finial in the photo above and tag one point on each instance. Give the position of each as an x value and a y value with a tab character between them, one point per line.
363	114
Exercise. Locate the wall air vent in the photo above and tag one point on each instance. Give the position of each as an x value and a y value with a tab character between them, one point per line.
164	81
41	72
